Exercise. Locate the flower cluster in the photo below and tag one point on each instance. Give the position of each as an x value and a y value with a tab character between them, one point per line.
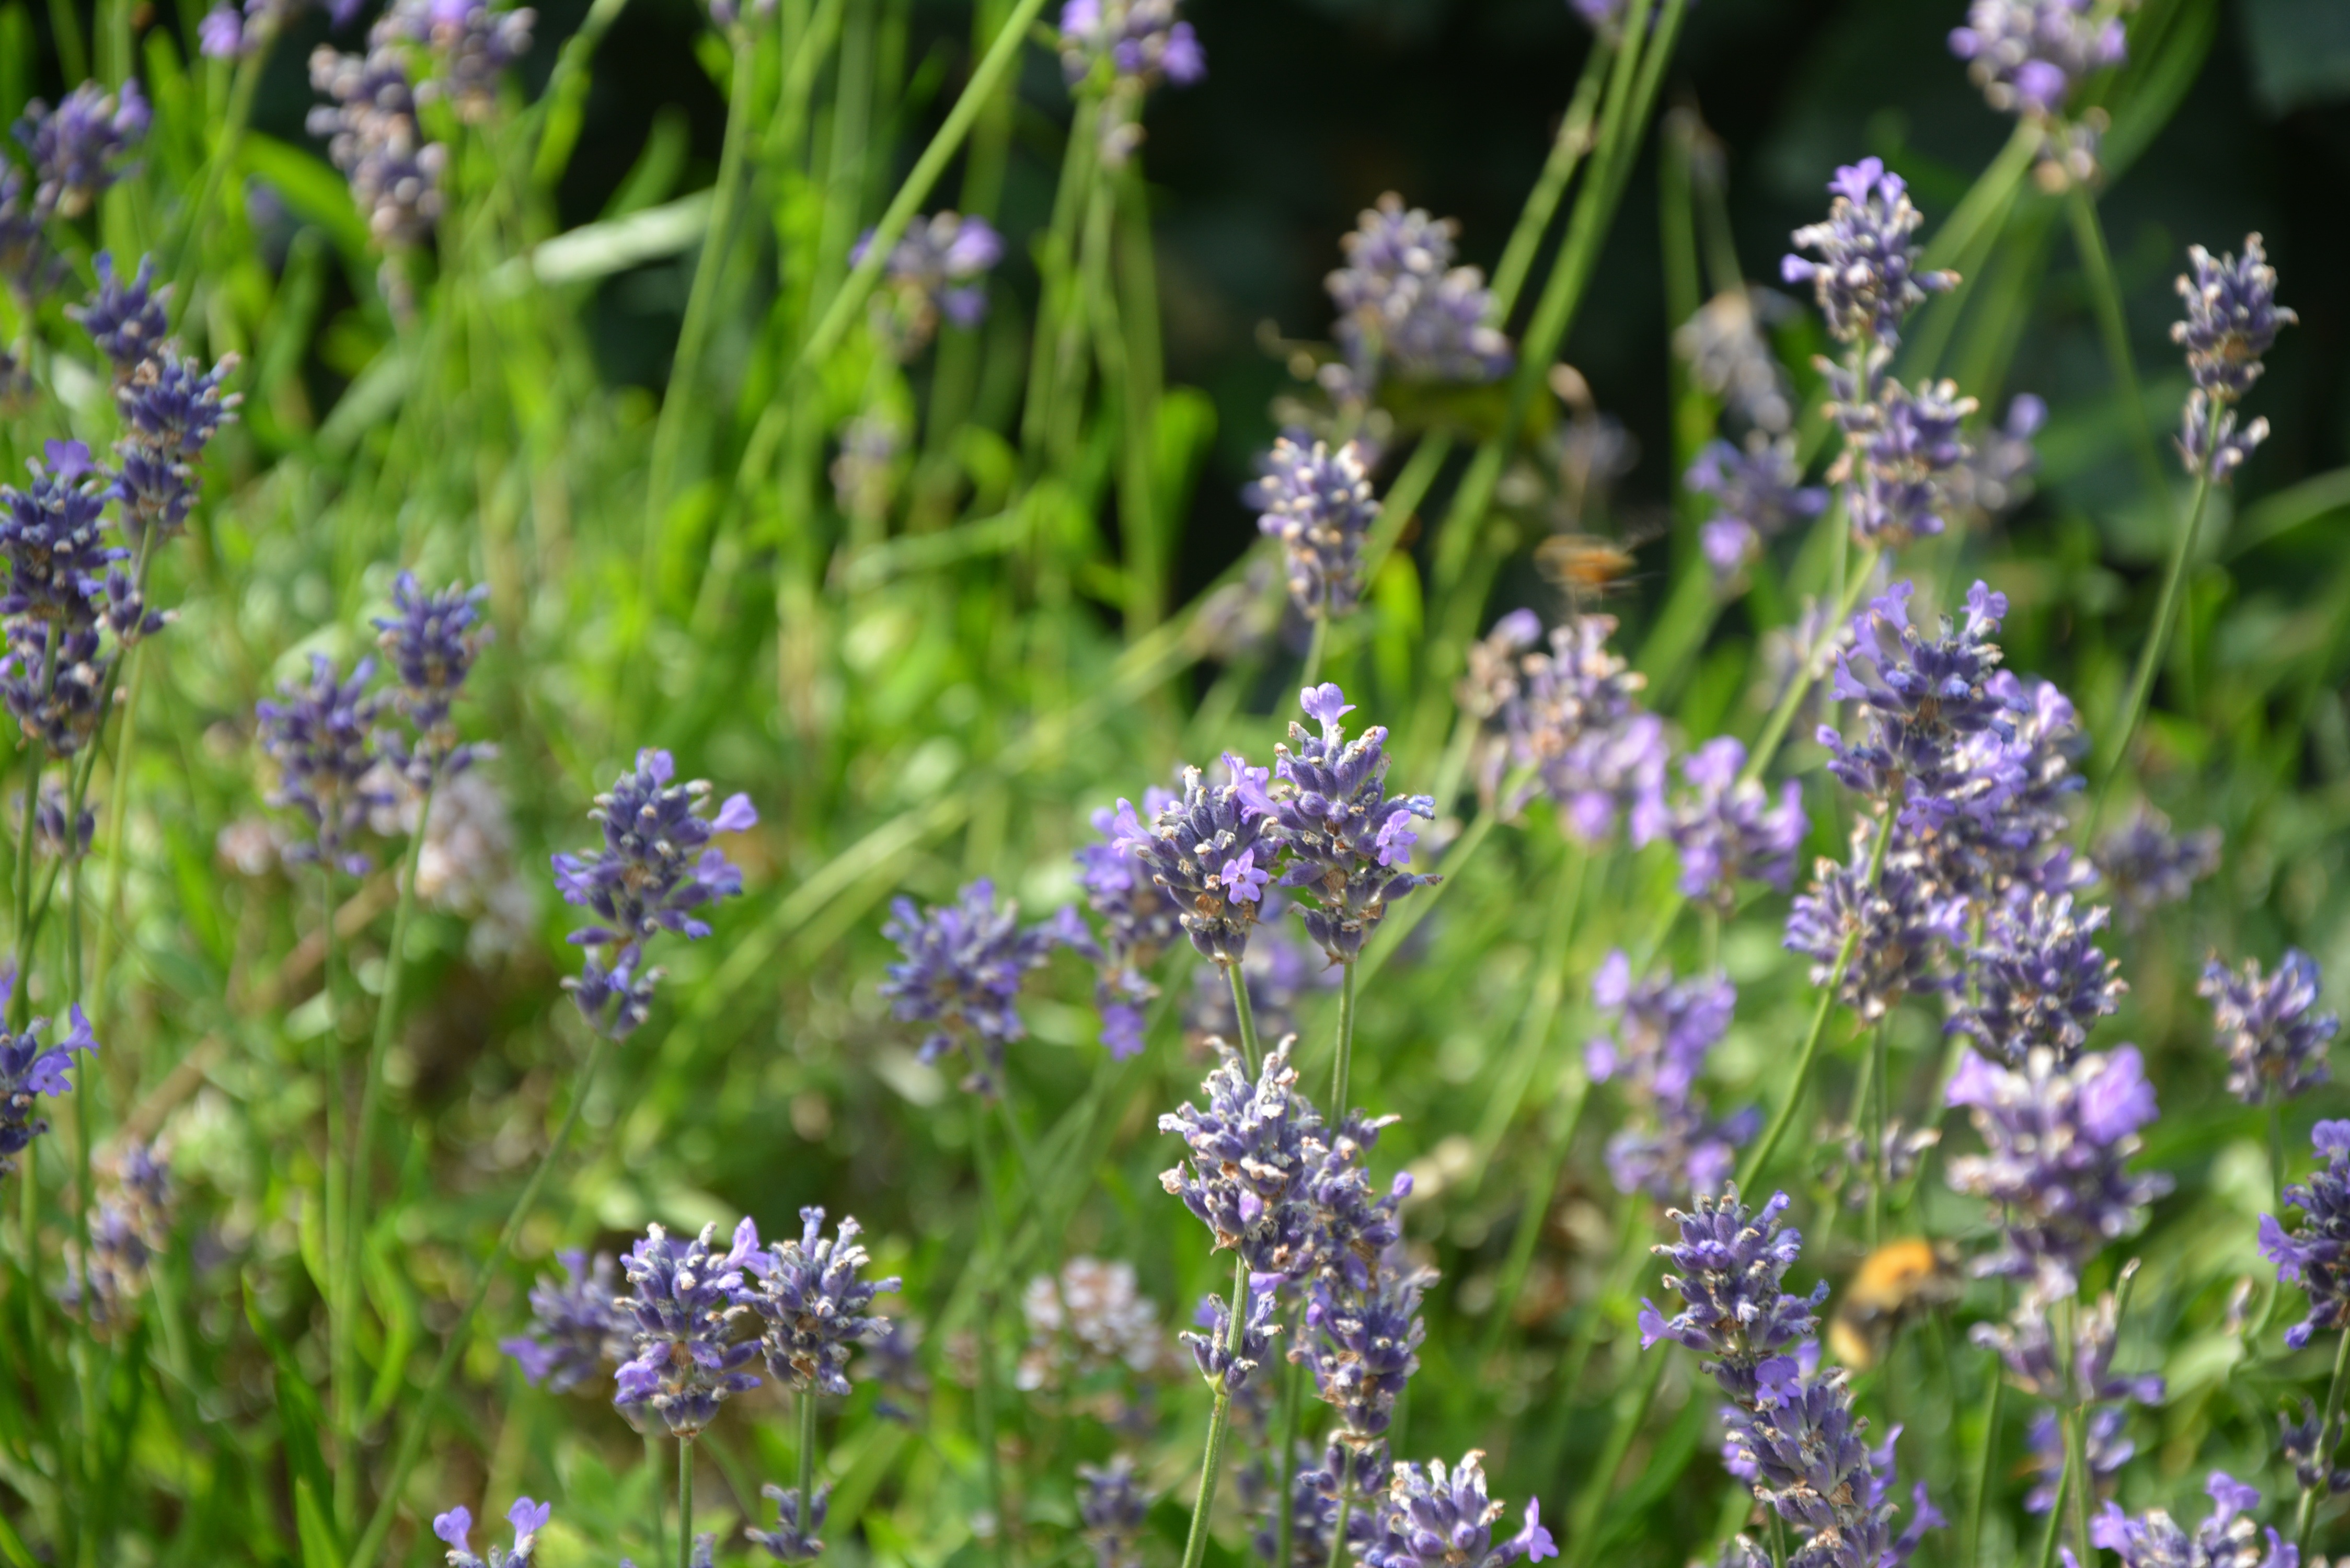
1922	699
2226	1538
468	46
2040	980
2143	864
1349	842
962	972
1727	829
1141	42
654	869
2028	1349
936	272
320	738
1663	1031
1317	502
1111	1508
1572	720
30	1069
131	1225
456	1529
684	1299
2268	1026
82	146
2010	839
2028	55
1866	278
2232	319
794	1537
1404	307
375	137
1433	1518
1092	1315
1211	852
1364	1347
1758	493
815	1300
1731	362
1139	922
2057	1140
126	320
1895	920
1731	1261
1904	453
2315	1254
1249	1162
577	1326
432	640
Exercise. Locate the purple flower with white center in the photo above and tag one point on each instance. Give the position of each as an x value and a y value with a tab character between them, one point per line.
961	974
170	408
2027	55
1354	1227
577	1328
1922	700
2315	1253
1902	448
1362	1345
432	640
1111	1508
1250	1163
794	1537
684	1299
1212	852
1866	278
29	1070
1729	1264
936	270
1350	843
82	146
455	1529
126	320
2106	1440
655	869
1728	831
815	1298
1433	1518
2057	1141
1758	493
2274	1039
471	47
2040	980
1404	307
1229	1356
1143	42
50	537
1899	922
1316	501
1576	723
318	737
1139	922
2232	319
2226	1538
1663	1033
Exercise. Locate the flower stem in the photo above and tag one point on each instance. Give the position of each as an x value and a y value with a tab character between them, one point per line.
2329	1434
1317	648
342	1373
807	1461
1880	1171
1284	1465
1986	1461
2276	1191
411	1439
1338	1525
2077	1461
685	1503
983	1155
2113	325
2056	1512
1247	1018
1631	1409
1342	1064
1195	1546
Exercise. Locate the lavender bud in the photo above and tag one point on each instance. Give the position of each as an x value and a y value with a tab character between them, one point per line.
1897	921
82	146
2299	1442
1922	700
2105	1441
936	270
794	1537
1111	1508
1139	42
1575	723
1229	1356
1663	1033
1758	493
319	738
2275	1043
2040	980
1318	503
2027	55
1403	305
1250	1163
2209	441
455	1529
1866	278
2226	1538
1350	844
815	1298
962	973
1903	451
126	320
469	47
2315	1254
1434	1519
2232	319
432	640
1212	853
1730	1263
1363	1346
685	1299
577	1328
50	537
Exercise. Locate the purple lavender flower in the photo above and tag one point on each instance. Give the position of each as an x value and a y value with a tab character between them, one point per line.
1728	831
2305	1446
794	1539
171	408
1139	923
2057	1140
1663	1031
577	1328
1213	853
373	135
1902	451
1249	1164
2274	1039
51	682
470	47
431	641
1141	42
1354	1226
1730	1263
50	537
455	1528
1575	721
1111	1508
1404	307
2028	55
2314	1254
1317	501
2232	319
126	320
1898	922
2107	1442
962	973
2226	1538
219	35
685	1299
1922	700
1350	844
2217	448
132	1223
1434	1519
1362	1346
2010	839
82	146
936	270
815	1298
1318	1481
2040	980
2028	1348
656	868
1758	493
1229	1355
319	738
1866	278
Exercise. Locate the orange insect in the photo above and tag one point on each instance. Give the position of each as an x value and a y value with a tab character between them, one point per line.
1892	1284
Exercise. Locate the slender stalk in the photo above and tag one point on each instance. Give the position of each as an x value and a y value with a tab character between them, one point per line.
2329	1435
1318	648
2165	612
1877	1170
20	994
1342	1063
1247	1016
342	1370
243	88
1195	1545
2113	325
685	1503
2076	1460
1284	1465
807	1461
984	1410
652	1490
1631	1410
2047	1557
1566	151
1986	1462
2276	1195
411	1439
1338	1527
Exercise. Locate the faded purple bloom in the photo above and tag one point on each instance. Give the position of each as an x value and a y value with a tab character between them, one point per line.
1663	1031
2306	1448
2315	1254
2028	1348
1575	721
171	408
1318	1481
2274	1039
1141	41
1111	1508
1902	451
1758	493
2028	55
126	320
577	1328
1434	1519
373	135
1866	278
456	1529
2057	1141
470	47
2232	319
1996	477
2106	1441
318	737
1362	1345
221	35
1250	1163
2217	449
936	270
1228	1355
1349	842
1318	503
1212	853
2039	980
815	1300
1139	922
1922	700
432	640
1730	360
2226	1538
130	1226
1404	307
82	146
656	868
1898	922
684	1299
961	974
794	1537
1727	830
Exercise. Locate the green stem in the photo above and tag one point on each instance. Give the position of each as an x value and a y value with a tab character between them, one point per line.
984	1410
807	1461
2276	1190
653	1489
20	995
1986	1461
1403	499
2076	1460
685	1503
343	1375
1342	1062
1631	1410
1338	1527
1284	1466
2055	1513
1317	648
2113	325
411	1439
1566	151
2329	1435
243	88
1195	1545
1877	1161
1246	1015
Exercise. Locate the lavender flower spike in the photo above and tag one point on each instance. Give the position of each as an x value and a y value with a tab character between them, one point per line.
1350	844
1729	1262
578	1329
1212	852
1402	305
432	639
2146	866
2275	1041
1867	278
2315	1254
1434	1519
29	1070
2232	319
1758	493
794	1537
1317	501
1112	1506
455	1529
126	320
1727	830
2226	1538
962	973
1897	922
1364	1347
1141	42
1229	1355
685	1299
2028	55
1249	1163
937	271
318	737
815	1297
1139	923
2040	980
82	146
1663	1033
